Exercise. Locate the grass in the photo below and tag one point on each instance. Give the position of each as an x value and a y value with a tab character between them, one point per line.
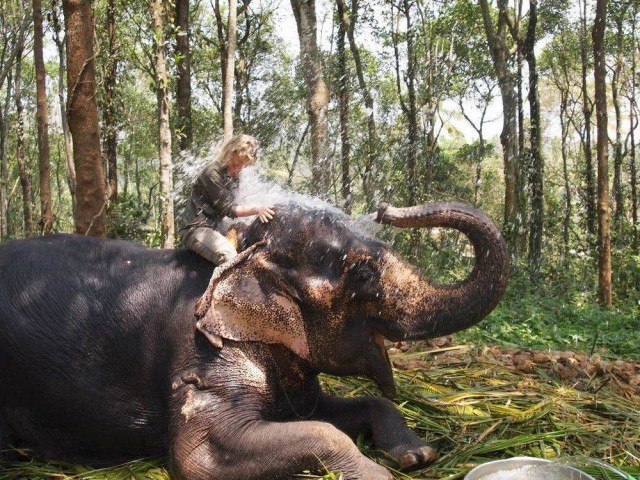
544	317
470	410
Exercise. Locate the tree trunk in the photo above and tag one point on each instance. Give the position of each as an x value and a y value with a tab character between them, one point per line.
537	162
564	128
183	67
344	110
348	22
82	112
68	142
46	214
167	225
496	38
23	168
222	47
4	170
587	109
227	91
412	111
604	234
317	95
110	114
618	212
521	148
632	127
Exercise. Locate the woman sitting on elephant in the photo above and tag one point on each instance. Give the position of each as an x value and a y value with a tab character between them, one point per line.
213	198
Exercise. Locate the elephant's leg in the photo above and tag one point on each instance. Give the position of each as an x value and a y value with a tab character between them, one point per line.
224	436
379	418
261	449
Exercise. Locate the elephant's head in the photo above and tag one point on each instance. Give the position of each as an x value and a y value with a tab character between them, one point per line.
331	295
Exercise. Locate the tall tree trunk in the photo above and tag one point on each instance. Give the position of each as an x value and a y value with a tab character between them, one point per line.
604	234
4	170
349	22
412	110
537	162
618	212
183	67
110	114
227	90
408	106
317	95
521	147
68	142
23	168
523	160
222	47
587	109
496	38
46	214
633	119
167	224
564	128
343	83
82	113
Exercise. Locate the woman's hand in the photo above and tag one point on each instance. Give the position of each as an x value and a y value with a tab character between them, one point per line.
264	213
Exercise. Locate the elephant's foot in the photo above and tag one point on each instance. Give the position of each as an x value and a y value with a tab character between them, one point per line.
411	457
367	469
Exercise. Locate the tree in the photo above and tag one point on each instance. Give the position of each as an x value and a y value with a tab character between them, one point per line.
23	168
348	22
317	94
344	109
561	60
14	22
109	113
604	229
4	169
526	48
409	105
167	223
68	142
227	90
46	214
82	111
633	123
183	69
587	109
617	15
501	53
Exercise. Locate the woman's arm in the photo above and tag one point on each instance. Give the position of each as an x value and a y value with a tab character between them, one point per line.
264	213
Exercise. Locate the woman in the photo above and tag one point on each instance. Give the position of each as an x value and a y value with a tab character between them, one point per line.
213	198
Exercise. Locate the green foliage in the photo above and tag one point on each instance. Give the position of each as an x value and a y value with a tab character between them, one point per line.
130	220
559	314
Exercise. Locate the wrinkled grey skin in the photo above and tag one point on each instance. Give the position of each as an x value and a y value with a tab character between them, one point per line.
103	359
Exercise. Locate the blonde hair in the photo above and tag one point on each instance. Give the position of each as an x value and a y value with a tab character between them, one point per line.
244	145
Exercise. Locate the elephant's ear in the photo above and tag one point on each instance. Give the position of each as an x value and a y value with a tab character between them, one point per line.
245	301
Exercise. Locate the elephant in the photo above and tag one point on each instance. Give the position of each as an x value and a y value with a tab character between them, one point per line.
112	351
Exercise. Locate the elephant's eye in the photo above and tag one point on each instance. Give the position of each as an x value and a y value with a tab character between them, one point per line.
364	271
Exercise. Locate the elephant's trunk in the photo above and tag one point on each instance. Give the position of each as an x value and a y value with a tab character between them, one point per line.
426	310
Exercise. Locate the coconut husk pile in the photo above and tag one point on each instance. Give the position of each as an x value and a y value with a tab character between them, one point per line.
578	370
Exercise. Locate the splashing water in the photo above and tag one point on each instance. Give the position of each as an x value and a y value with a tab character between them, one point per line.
254	189
186	169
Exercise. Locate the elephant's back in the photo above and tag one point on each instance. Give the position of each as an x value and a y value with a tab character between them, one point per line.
85	338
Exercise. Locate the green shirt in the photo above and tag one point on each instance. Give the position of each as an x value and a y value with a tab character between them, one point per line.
212	197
